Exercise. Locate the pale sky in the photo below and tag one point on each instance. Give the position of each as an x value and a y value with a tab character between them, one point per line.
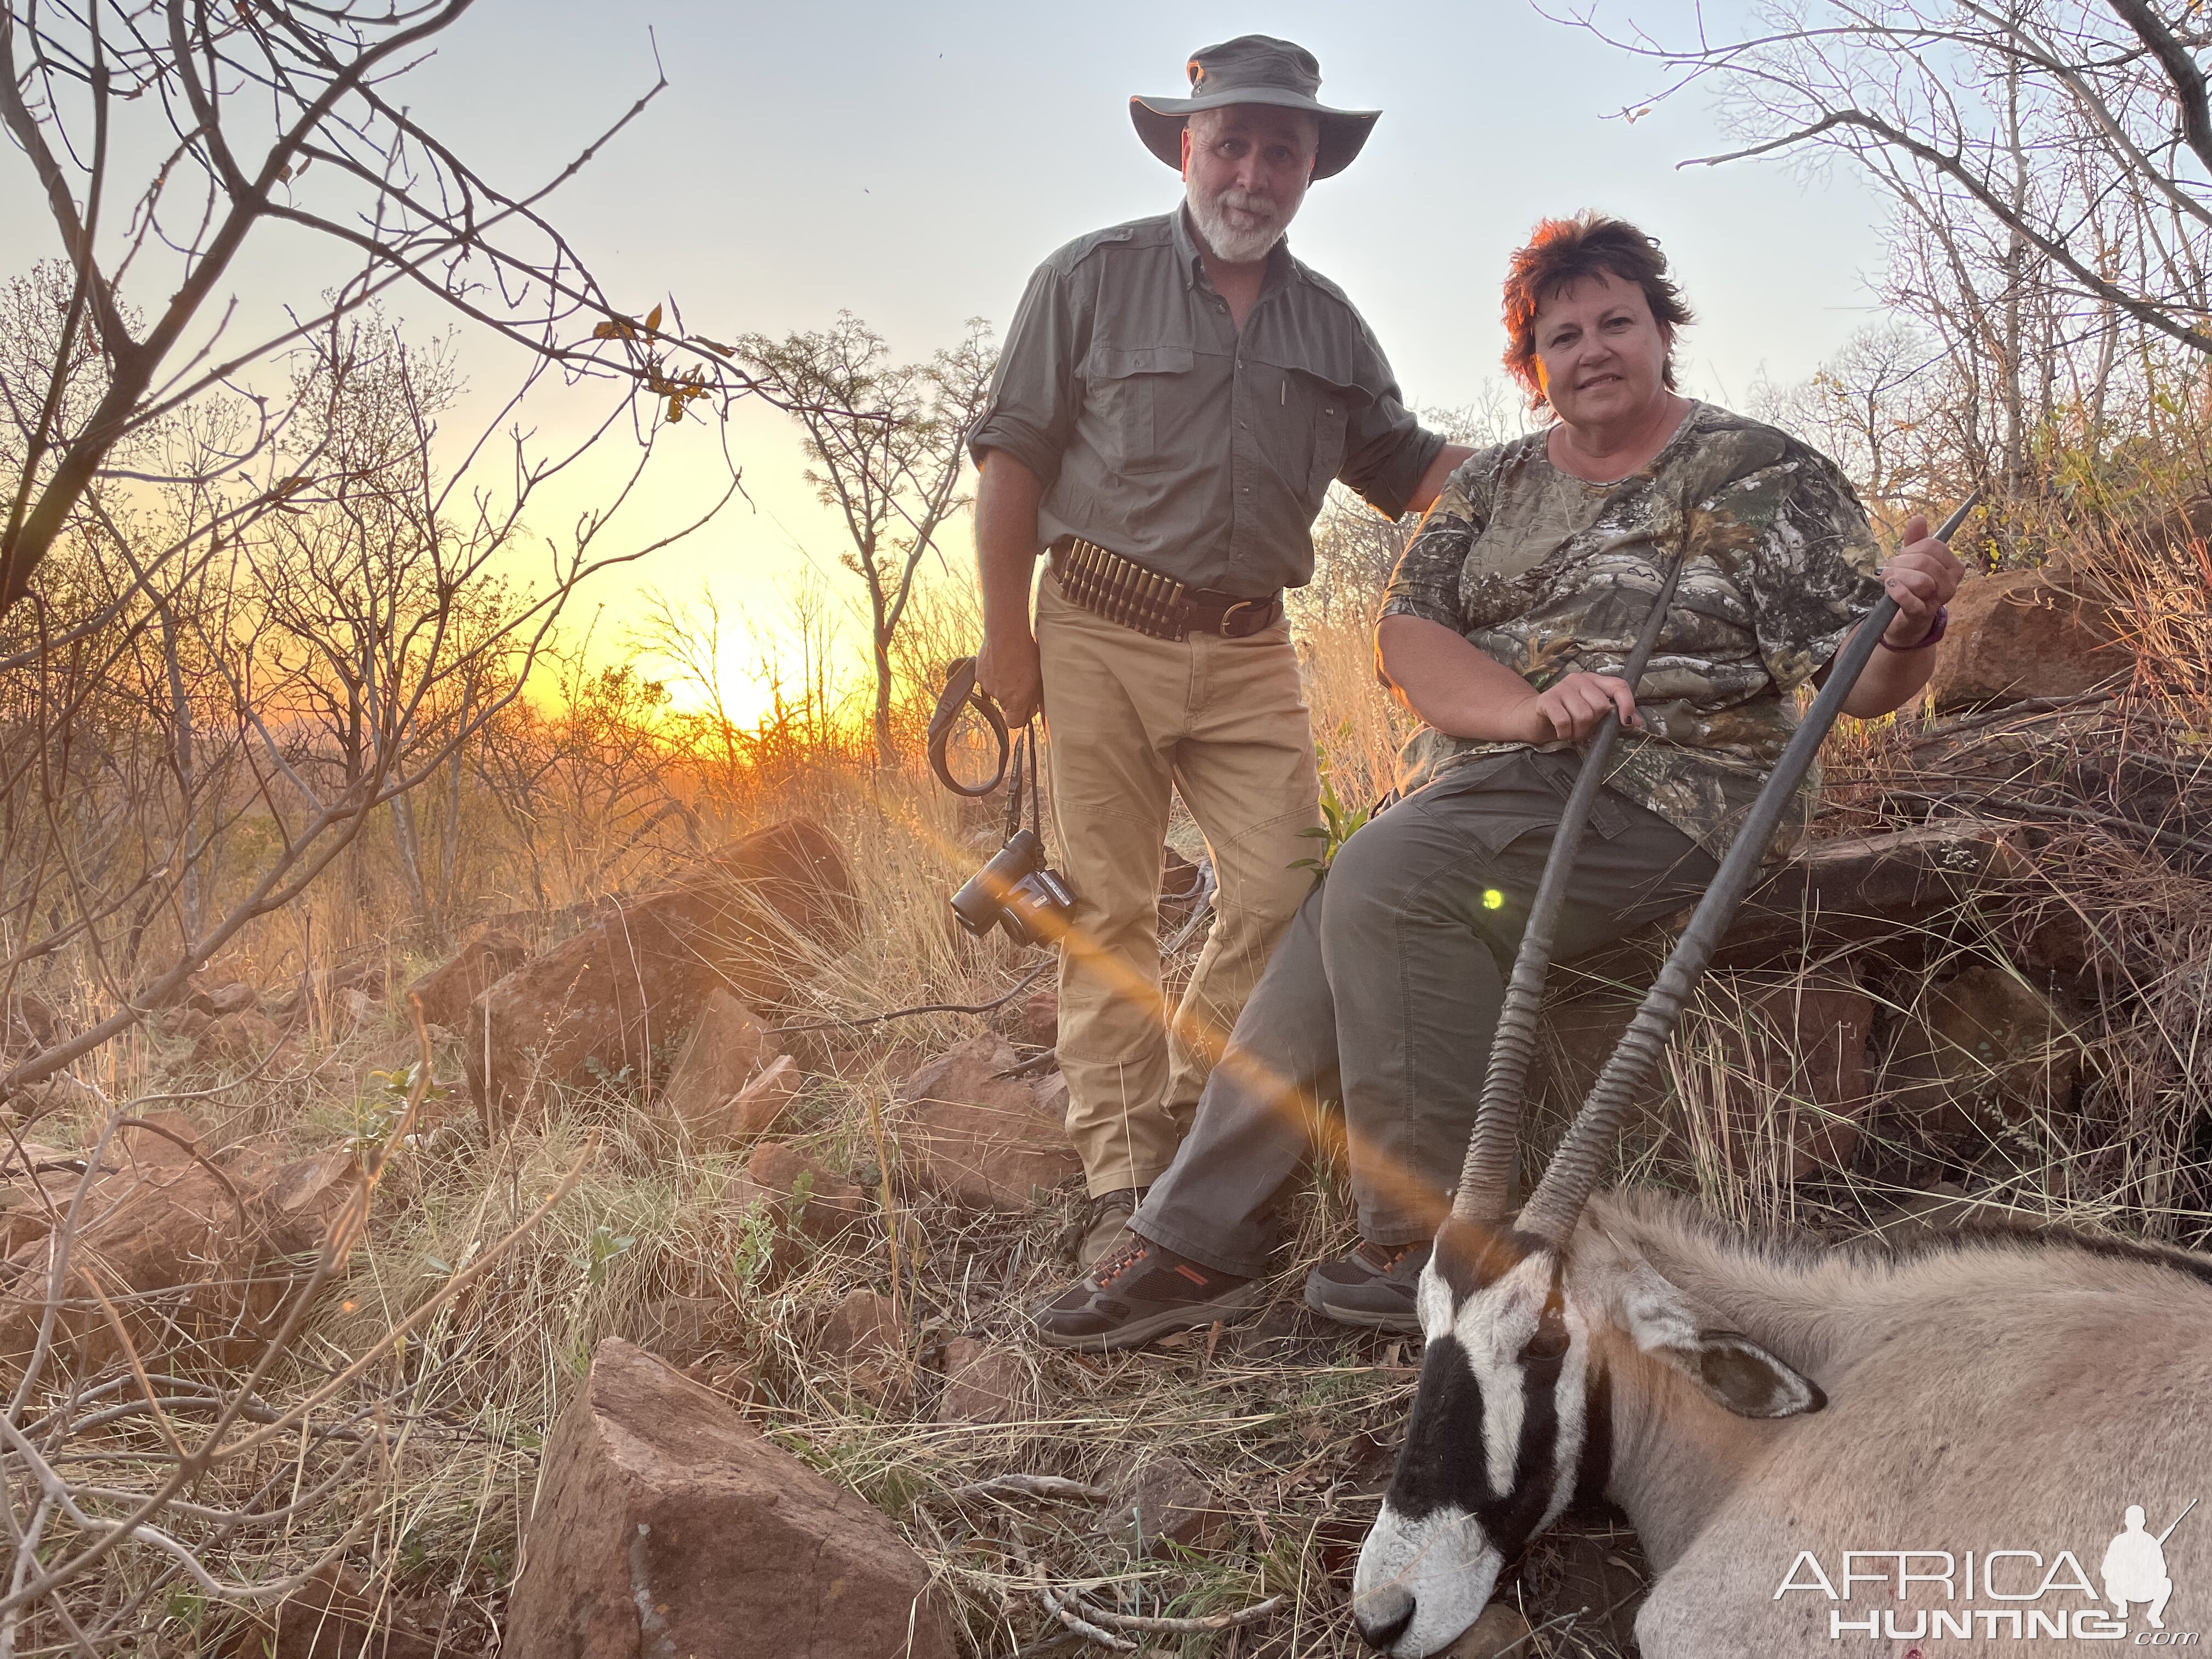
912	163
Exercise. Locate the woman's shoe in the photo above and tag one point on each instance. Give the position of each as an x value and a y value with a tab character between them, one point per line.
1373	1287
1140	1292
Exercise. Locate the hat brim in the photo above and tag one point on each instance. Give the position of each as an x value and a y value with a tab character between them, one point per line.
1159	124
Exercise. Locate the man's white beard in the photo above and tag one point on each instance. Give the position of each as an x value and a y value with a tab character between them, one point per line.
1236	247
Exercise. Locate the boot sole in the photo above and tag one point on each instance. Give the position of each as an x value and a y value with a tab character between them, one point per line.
1237	1305
1407	1323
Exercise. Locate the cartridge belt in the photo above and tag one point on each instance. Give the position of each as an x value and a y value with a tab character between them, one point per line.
1159	607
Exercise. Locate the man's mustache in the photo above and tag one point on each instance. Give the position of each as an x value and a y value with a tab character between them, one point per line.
1247	202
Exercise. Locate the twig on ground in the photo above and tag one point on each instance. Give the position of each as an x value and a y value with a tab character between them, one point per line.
1257	1611
1029	1485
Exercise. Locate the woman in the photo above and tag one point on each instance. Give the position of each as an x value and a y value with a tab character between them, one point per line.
1505	626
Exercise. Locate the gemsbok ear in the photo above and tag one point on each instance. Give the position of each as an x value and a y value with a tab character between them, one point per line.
1726	1365
1743	1376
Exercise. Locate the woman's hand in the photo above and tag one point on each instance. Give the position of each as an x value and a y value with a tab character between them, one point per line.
1465	692
1572	709
1921	576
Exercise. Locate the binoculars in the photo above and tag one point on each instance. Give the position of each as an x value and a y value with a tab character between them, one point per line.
1017	893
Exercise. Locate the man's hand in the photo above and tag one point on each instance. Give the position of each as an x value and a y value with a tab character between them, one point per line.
1006	497
1921	576
1007	668
1574	708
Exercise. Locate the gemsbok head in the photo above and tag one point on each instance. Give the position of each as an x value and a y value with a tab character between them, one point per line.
1744	1402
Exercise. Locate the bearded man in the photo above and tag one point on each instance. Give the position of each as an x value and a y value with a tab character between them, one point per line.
1174	397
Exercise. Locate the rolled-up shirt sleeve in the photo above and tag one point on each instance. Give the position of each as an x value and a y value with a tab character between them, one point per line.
1034	393
1386	449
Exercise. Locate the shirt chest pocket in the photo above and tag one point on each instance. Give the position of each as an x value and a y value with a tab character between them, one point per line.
1319	413
1130	393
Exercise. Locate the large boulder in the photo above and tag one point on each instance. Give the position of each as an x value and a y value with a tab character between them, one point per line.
665	1525
600	1003
980	1138
2023	634
445	992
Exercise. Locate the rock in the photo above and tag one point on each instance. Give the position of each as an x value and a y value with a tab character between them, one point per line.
2024	633
1870	895
775	1177
1788	1069
983	1384
745	918
862	1335
979	1138
158	1140
215	1000
666	1526
730	1082
1500	1633
1576	1036
234	1040
1183	890
863	1325
1987	1048
681	1328
1166	1503
28	1026
334	1615
445	993
200	1250
1038	1020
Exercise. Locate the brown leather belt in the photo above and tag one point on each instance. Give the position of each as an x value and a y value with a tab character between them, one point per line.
1159	607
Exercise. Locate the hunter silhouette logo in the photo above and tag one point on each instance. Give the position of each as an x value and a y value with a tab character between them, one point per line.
2025	1595
2135	1567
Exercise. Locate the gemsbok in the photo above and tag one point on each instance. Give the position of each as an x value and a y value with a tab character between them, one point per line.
1790	1428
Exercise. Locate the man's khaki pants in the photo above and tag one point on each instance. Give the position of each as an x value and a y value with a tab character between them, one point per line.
1133	722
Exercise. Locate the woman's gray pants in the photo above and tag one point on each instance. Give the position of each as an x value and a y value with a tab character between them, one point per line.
1384	995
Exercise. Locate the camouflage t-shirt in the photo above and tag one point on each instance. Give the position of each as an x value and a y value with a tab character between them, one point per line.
1551	575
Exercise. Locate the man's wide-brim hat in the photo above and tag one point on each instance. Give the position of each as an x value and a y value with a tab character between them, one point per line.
1254	68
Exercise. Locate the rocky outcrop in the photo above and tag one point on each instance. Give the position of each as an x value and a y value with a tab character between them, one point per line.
978	1138
1774	1069
665	1525
445	992
1788	1091
600	1003
2023	634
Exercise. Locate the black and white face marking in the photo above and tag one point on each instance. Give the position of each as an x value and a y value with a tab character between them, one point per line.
1495	1444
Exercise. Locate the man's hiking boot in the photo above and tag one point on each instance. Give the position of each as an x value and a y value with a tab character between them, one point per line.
1374	1285
1105	1224
1140	1292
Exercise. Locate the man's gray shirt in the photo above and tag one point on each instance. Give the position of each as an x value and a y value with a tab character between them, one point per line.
1163	434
